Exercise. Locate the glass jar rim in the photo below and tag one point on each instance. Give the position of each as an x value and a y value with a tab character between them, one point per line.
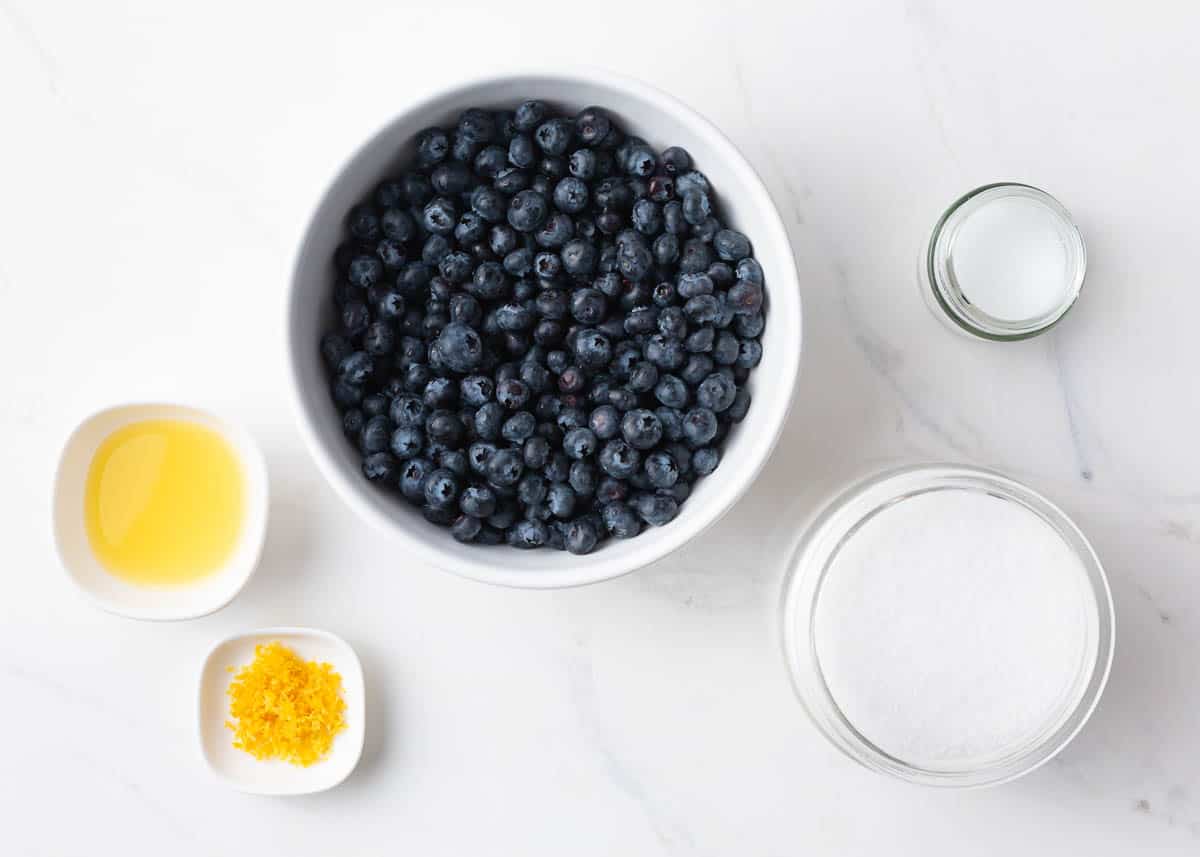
837	520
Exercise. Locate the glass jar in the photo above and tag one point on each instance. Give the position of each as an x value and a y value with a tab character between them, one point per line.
832	531
1005	262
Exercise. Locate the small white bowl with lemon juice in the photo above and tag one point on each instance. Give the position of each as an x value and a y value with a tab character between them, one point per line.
160	510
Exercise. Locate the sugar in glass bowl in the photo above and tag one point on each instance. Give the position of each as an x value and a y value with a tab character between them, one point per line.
746	206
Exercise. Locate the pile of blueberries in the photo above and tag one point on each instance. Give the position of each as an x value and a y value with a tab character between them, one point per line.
544	331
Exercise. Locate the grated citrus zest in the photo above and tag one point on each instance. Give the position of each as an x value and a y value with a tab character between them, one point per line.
284	707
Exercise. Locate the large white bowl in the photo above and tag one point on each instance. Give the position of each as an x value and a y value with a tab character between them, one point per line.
744	203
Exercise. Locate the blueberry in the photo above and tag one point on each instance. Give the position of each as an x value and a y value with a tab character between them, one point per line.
518	427
702	309
579	257
699	342
334	348
465	528
665	249
556	231
489	281
672	422
439	393
439	216
647	217
511	180
726	349
531	490
707	229
375	434
478	501
519	262
535	452
619	459
656	509
363	223
527	534
521	152
749	326
352	423
380	467
412	479
699	426
592	125
471	228
571	195
671	392
406	443
512	394
488	419
579	443
746	298
622	399
581	536
527	211
454	460
514	317
620	520
593	348
605	422
444	427
554	135
731	245
456	266
582	478
529	115
695	257
397	225
560	499
390	306
588	306
676	161
558	468
673	220
749	354
479	454
671	323
741	405
364	271
750	271
390	193
433	145
640	161
488	203
661	470
691	180
716	393
634	259
665	353
356	368
505	467
641	429
582	164
476	126
460	347
490	161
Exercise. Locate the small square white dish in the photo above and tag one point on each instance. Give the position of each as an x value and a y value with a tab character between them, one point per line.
238	768
148	602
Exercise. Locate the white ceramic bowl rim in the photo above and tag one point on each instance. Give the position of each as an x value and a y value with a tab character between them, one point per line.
508	566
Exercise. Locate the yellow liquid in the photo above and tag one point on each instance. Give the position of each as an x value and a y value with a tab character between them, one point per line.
164	502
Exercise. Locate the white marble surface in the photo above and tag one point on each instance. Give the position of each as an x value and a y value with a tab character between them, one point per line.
157	165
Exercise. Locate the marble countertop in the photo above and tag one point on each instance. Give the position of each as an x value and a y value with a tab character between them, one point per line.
158	164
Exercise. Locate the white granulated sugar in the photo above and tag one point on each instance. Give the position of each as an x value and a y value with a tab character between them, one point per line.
953	628
1010	259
